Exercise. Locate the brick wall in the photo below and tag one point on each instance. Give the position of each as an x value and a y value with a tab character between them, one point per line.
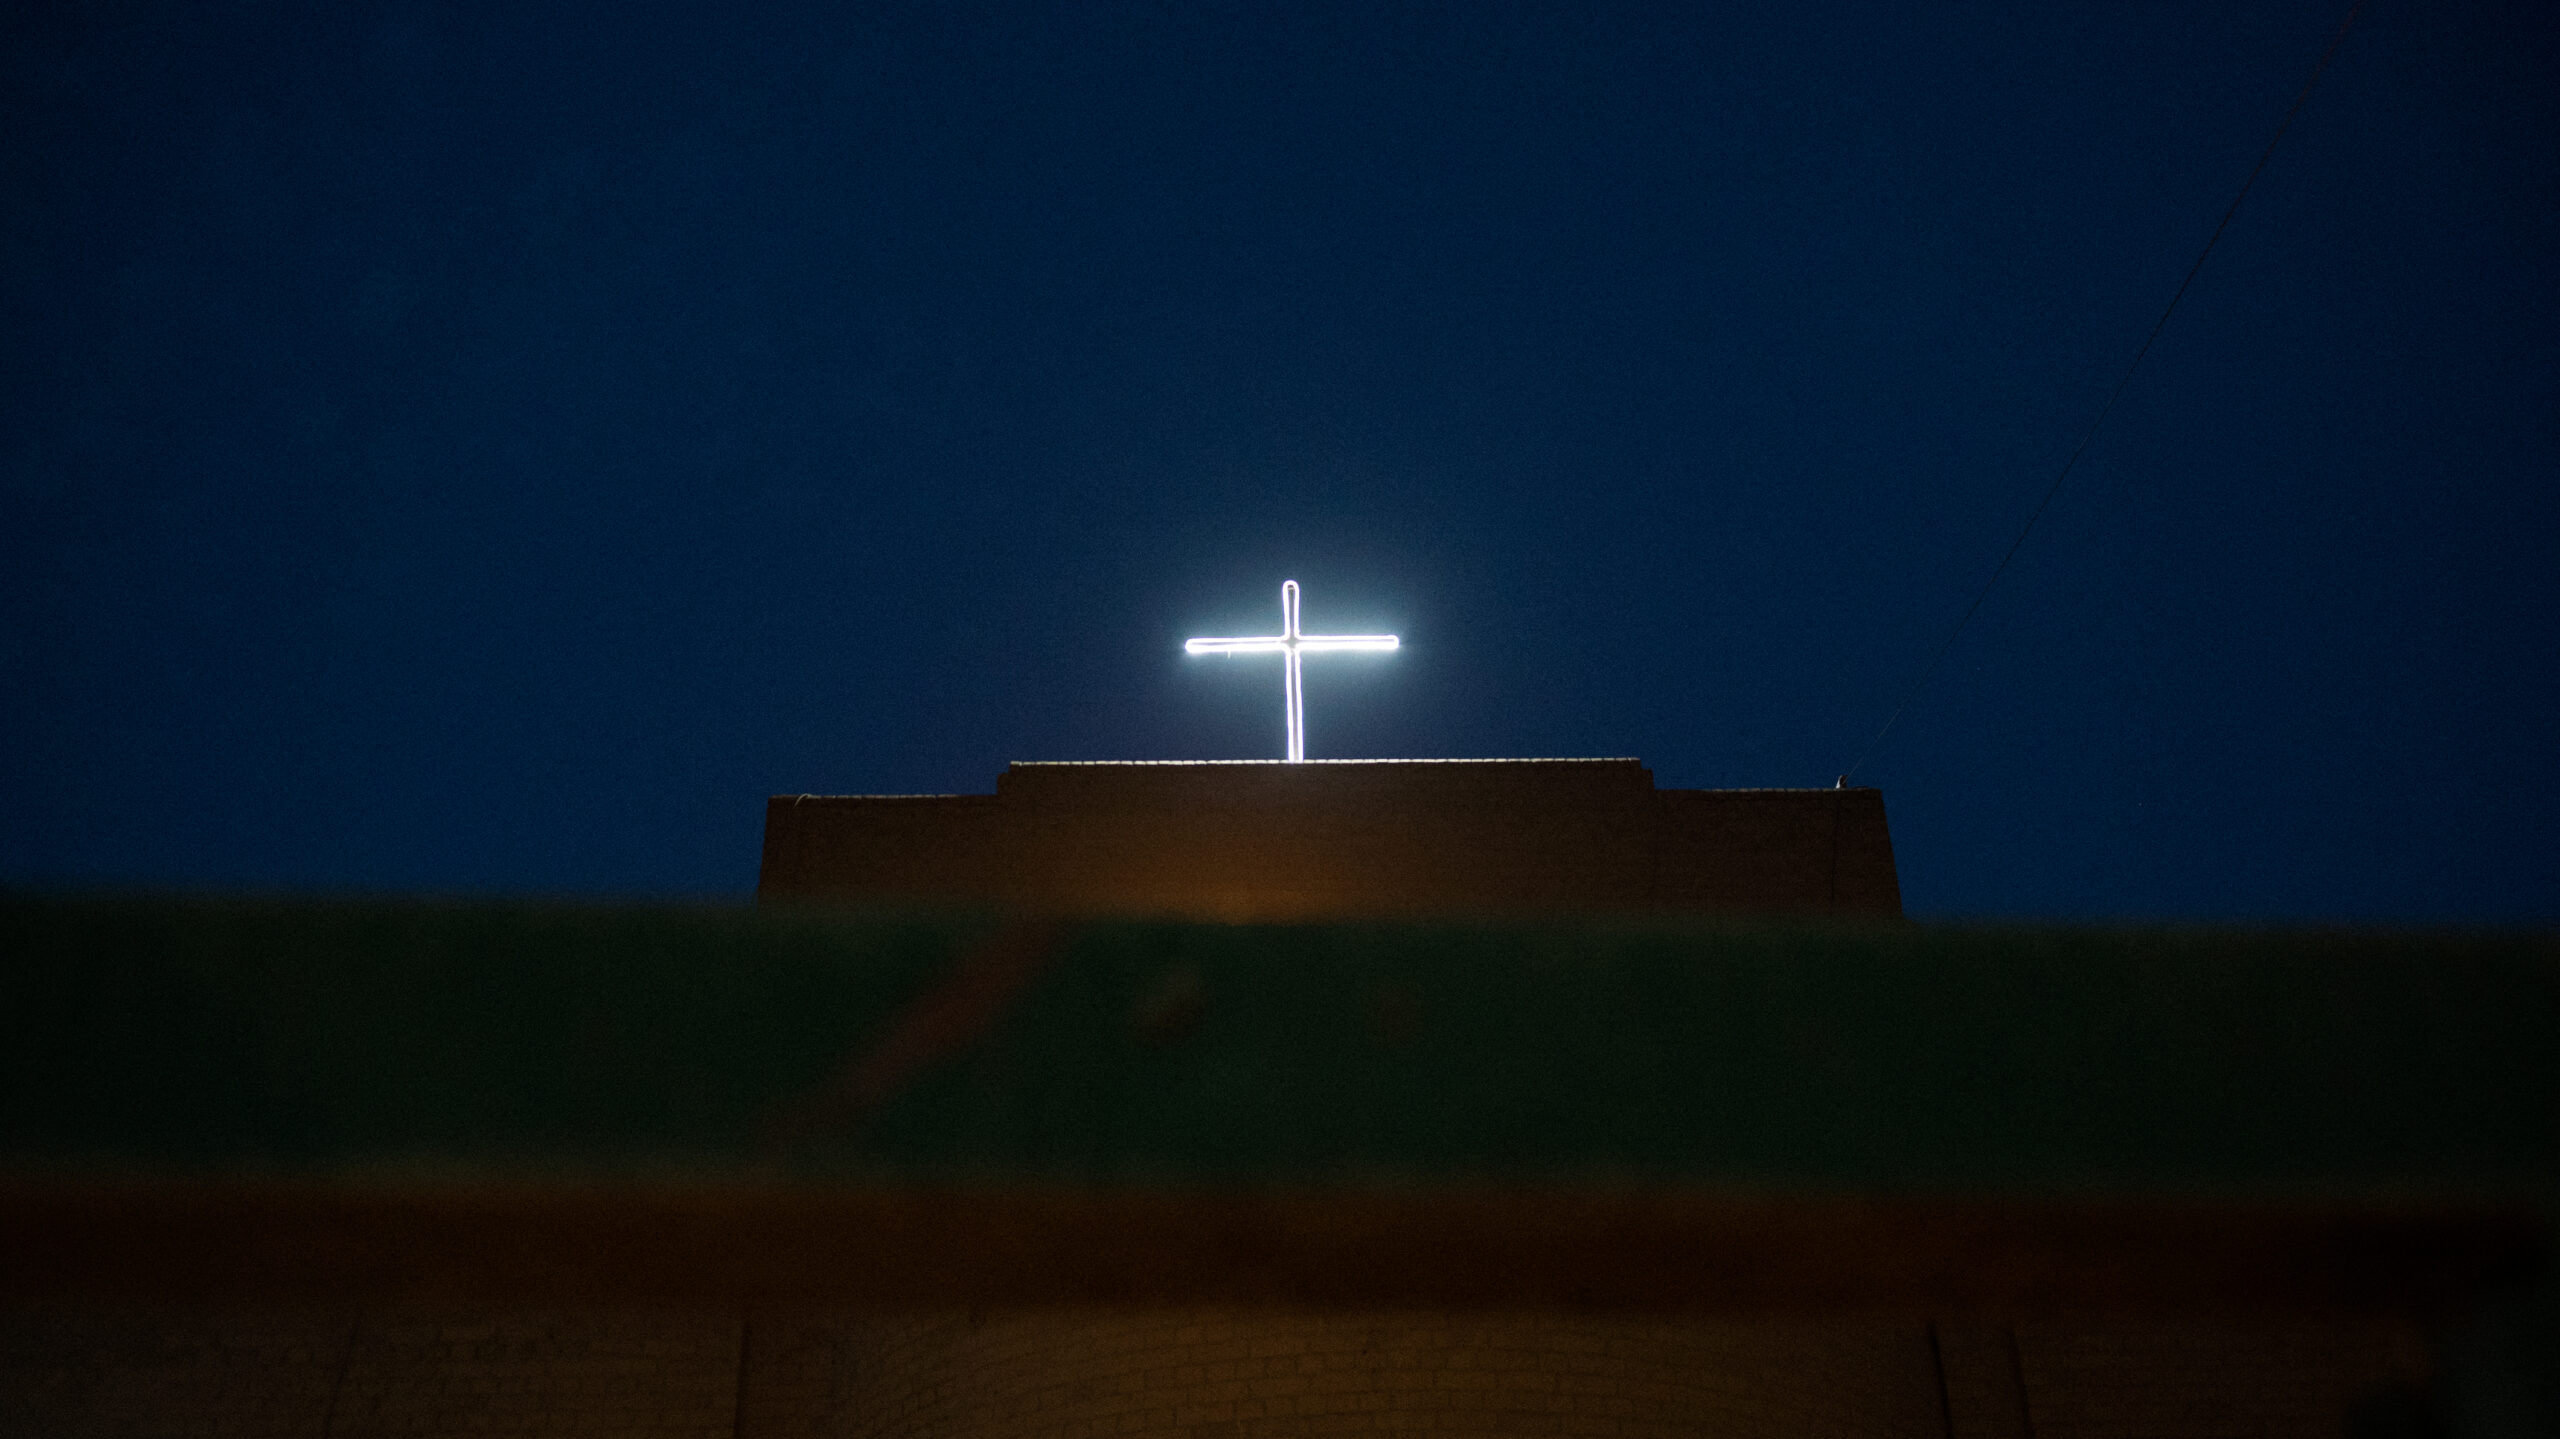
75	1373
83	1373
1224	1372
1090	1374
2208	1378
668	1376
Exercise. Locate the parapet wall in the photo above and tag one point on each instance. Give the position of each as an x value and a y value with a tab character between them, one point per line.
1344	838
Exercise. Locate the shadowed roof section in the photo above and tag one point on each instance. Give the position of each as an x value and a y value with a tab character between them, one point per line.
1257	840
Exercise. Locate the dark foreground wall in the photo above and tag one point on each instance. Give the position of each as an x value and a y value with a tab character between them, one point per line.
1337	839
1006	1373
404	1168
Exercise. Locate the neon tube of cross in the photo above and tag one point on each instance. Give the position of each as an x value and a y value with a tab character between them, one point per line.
1291	645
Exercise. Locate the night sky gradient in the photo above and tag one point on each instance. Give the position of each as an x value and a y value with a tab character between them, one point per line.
489	449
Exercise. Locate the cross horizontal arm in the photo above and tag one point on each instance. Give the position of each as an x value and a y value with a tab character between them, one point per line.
1273	644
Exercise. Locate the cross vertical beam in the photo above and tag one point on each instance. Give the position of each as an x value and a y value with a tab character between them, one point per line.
1292	646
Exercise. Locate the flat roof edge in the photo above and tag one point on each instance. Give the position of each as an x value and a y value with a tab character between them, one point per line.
1205	763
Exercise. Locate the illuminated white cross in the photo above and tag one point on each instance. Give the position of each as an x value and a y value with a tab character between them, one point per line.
1291	644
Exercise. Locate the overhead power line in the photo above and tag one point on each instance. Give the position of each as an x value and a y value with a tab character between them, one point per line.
1930	670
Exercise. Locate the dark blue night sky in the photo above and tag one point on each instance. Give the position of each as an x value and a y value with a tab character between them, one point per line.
490	449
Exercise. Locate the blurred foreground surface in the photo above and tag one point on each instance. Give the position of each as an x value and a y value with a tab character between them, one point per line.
312	1150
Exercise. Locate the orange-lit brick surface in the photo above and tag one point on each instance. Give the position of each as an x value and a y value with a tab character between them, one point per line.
1095	1373
1242	1372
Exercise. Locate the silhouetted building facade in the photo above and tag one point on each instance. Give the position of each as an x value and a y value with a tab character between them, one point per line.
1256	841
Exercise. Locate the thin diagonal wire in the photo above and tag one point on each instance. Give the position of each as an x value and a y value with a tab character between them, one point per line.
1929	671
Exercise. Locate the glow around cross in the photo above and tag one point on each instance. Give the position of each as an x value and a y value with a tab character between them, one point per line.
1292	645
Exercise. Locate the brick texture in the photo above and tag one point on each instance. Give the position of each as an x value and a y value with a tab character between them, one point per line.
672	1375
1201	1373
1088	1373
211	1372
2209	1379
